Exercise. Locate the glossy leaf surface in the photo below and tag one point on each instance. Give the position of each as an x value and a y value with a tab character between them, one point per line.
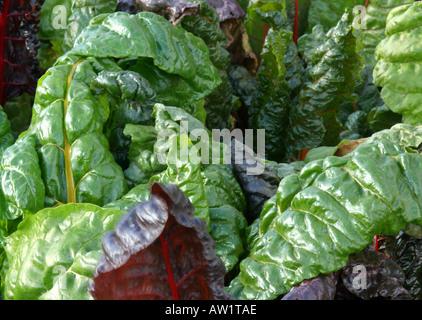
334	70
152	37
398	65
53	254
373	25
332	209
160	250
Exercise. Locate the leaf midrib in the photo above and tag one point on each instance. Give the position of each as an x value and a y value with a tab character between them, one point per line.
70	183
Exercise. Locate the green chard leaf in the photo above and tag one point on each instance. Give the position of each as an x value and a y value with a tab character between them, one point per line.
186	174
398	67
63	21
373	25
332	209
54	15
6	135
220	103
271	101
369	114
332	75
82	11
132	98
213	190
53	254
257	26
152	37
79	102
22	188
143	161
150	144
227	206
68	121
309	42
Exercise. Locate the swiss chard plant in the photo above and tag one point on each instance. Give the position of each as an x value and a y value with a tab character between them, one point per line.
107	160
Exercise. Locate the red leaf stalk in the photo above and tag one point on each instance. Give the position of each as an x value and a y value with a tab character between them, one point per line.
3	22
296	26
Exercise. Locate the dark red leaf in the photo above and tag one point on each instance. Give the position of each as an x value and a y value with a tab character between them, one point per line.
19	68
319	288
383	278
160	250
227	9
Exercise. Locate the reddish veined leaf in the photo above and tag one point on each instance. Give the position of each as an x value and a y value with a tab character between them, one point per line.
160	250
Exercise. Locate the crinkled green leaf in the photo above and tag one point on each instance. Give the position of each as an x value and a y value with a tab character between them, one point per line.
143	139
22	188
201	21
221	102
187	57
54	15
257	27
147	160
368	92
369	114
6	136
409	258
171	121
138	194
68	121
243	83
227	205
271	100
373	25
398	67
309	42
227	227
184	93
332	209
131	98
54	253
222	188
186	174
143	162
82	11
335	69
63	21
295	71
